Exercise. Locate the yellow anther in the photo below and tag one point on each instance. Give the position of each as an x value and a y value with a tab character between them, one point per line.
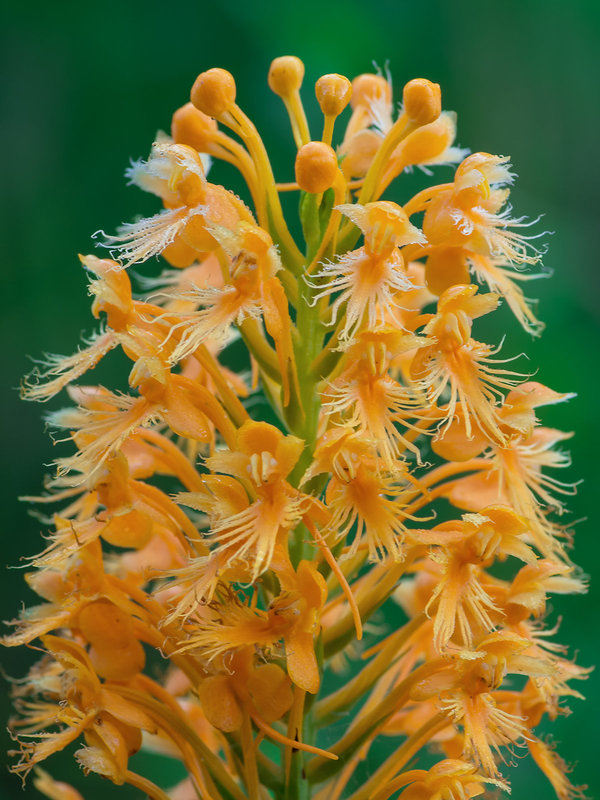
255	468
316	167
190	126
213	92
286	74
422	101
175	176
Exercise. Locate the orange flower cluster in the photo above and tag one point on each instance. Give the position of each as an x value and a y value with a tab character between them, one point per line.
209	572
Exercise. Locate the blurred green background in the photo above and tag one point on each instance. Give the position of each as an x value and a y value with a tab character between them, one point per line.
86	86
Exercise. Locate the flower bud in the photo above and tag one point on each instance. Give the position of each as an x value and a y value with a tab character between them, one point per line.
446	267
190	126
428	143
219	703
118	664
359	153
271	691
316	167
179	254
453	443
133	529
286	74
333	94
367	88
105	625
213	92
422	101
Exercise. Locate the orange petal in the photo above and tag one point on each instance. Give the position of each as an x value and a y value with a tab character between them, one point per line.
220	704
302	664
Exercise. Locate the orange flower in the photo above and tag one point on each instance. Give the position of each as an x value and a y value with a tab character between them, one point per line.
463	548
365	398
365	497
369	279
517	475
451	779
252	290
292	616
251	512
464	366
465	689
111	725
467	212
176	174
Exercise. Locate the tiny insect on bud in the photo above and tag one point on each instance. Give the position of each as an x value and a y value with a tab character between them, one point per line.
368	87
316	167
333	93
213	92
190	126
422	101
286	74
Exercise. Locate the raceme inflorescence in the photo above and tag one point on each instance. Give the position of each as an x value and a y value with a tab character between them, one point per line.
247	569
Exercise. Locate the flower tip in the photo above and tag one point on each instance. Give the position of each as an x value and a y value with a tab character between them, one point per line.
422	101
192	127
286	74
316	167
333	93
213	92
99	266
369	88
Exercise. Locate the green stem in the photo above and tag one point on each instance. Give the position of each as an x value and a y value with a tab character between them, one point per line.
351	692
399	758
308	344
342	631
366	724
150	789
302	417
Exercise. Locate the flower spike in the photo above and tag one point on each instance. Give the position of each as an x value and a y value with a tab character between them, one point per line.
320	511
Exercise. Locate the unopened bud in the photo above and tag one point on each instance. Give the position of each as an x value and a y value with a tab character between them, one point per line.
446	267
368	87
428	143
103	624
359	153
213	92
333	94
316	167
286	74
422	101
190	126
120	664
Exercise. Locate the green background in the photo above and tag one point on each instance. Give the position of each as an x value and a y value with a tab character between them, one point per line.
88	84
